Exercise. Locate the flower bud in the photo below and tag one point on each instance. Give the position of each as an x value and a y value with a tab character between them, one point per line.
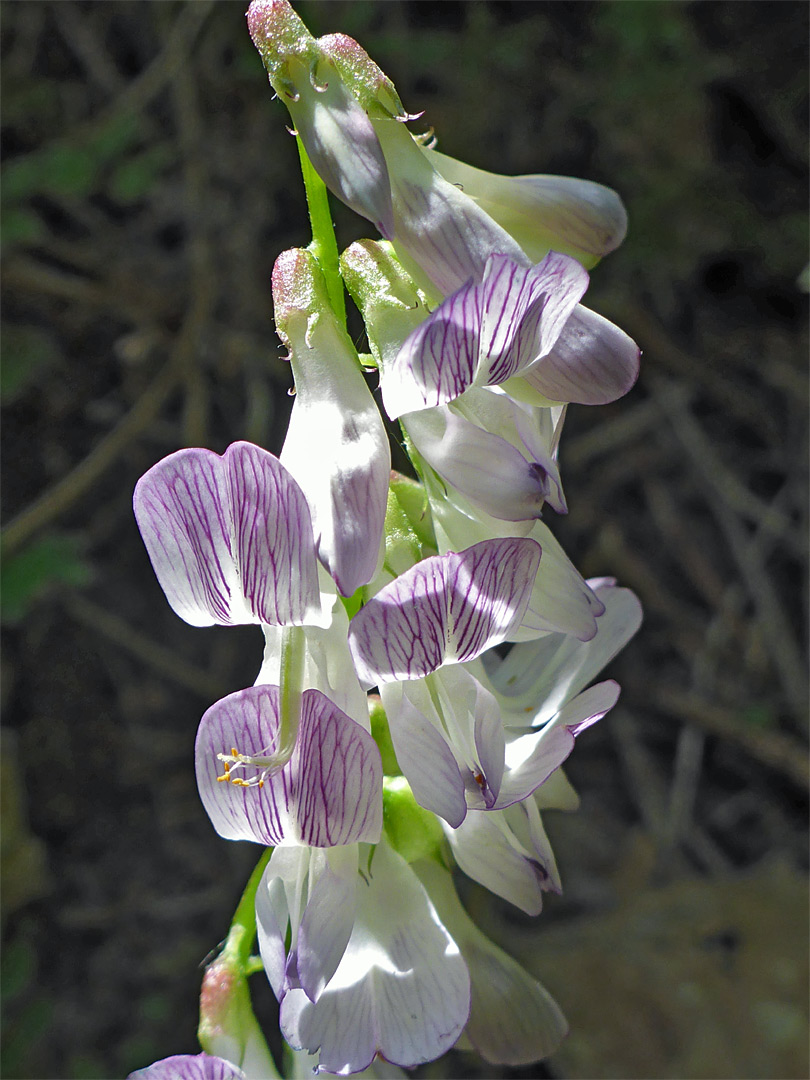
228	1028
336	132
336	446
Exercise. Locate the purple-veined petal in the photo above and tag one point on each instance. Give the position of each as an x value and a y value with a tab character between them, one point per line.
513	1019
592	362
539	677
401	632
446	609
330	791
488	586
484	333
543	212
189	1067
401	989
336	445
485	467
560	600
524	311
230	538
438	360
423	754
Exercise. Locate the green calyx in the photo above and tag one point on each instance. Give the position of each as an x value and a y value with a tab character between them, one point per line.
411	830
283	41
385	294
409	535
280	36
412	500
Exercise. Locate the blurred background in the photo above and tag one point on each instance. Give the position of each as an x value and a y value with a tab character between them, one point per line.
148	184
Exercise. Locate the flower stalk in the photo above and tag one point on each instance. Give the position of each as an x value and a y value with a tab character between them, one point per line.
324	244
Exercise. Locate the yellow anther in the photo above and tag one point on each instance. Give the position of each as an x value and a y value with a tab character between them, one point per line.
235	760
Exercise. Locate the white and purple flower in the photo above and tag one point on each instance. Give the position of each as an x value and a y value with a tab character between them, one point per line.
474	318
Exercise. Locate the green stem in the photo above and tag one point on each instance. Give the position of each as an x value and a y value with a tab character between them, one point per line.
242	934
324	245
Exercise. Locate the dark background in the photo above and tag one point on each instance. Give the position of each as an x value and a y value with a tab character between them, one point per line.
148	185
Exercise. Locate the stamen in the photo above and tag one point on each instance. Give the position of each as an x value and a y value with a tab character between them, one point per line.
267	764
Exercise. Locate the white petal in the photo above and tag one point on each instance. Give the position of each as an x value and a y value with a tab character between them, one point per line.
531	759
341	143
437	226
513	1019
588	707
336	445
325	929
482	464
401	989
555	668
426	760
485	849
542	212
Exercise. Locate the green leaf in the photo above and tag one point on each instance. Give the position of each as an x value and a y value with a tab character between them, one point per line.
25	351
134	179
27	575
20	226
17	968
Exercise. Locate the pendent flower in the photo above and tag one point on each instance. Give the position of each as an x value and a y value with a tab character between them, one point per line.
327	792
510	324
359	959
446	727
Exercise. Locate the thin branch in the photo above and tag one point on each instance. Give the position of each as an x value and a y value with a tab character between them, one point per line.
748	553
149	652
778	751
